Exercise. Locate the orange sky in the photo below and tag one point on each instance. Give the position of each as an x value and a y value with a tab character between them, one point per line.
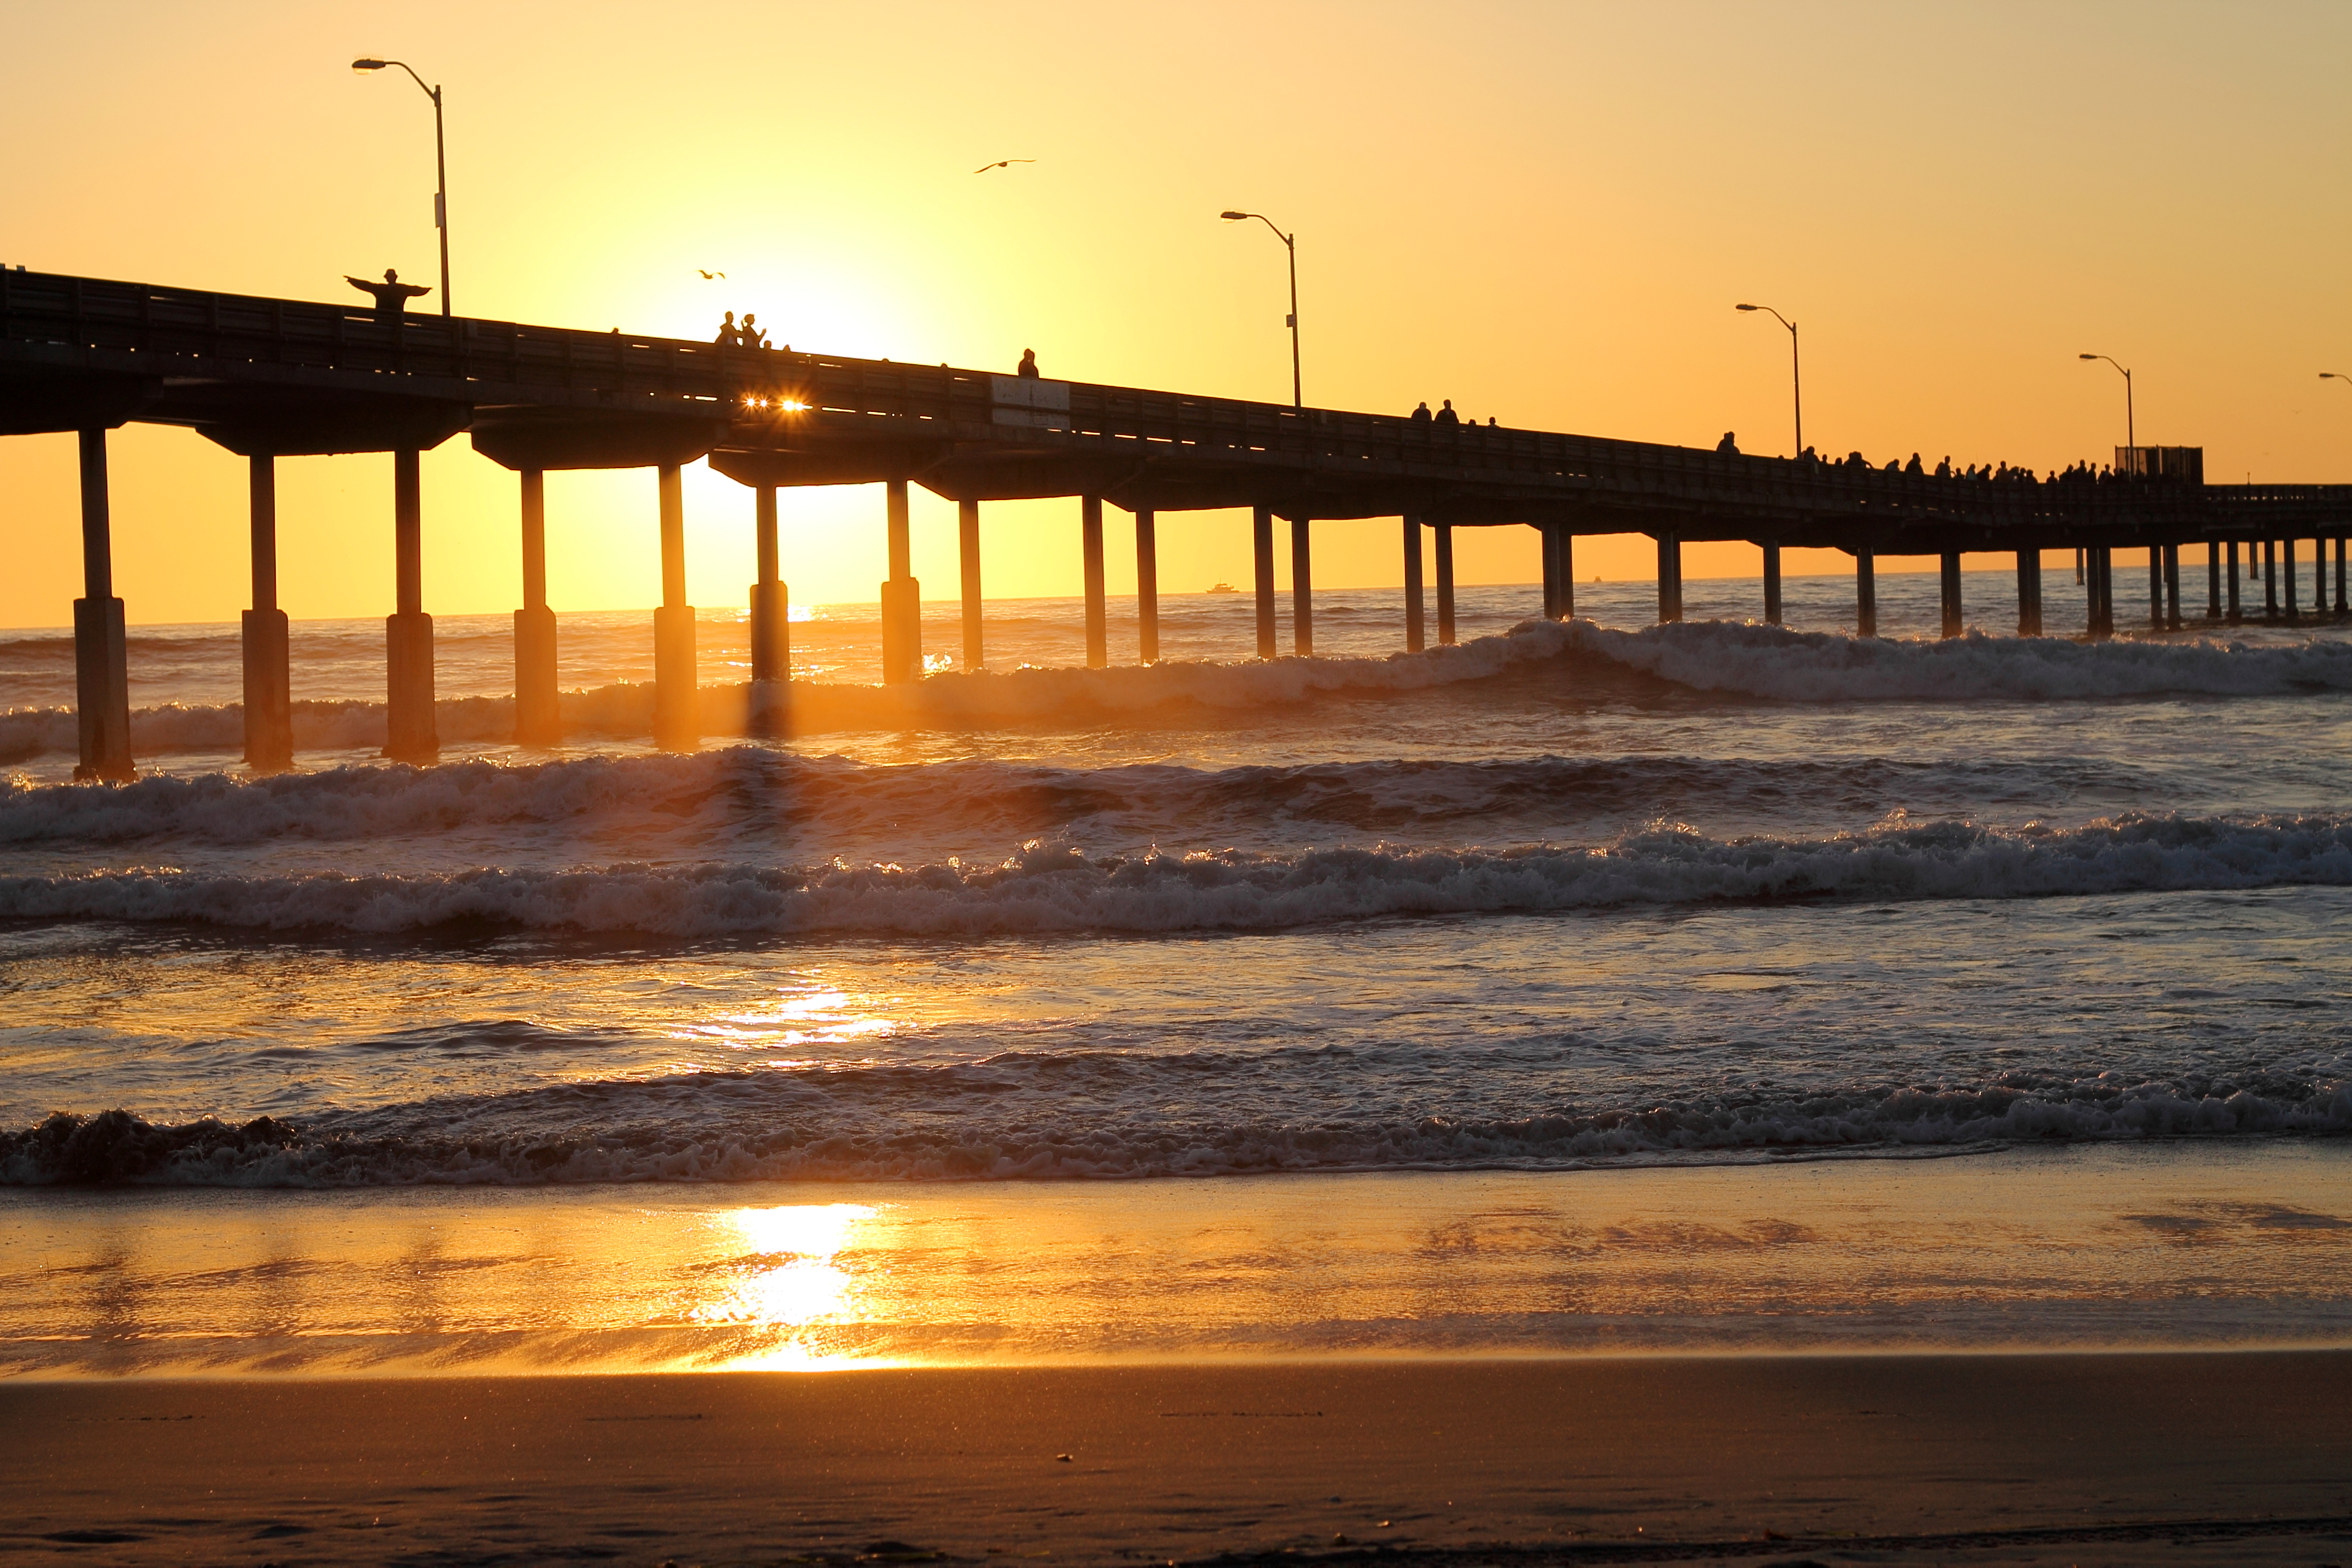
1544	212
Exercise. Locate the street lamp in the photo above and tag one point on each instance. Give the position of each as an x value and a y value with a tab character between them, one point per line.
2131	438
1290	243
1796	372
2331	375
440	164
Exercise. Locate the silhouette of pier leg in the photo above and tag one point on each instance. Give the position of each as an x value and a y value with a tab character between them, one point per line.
1954	619
269	679
2099	585
1865	595
2156	587
2235	614
2286	574
1147	586
1548	541
1415	606
678	726
1772	615
1090	545
539	715
1563	542
1670	578
2172	587
2212	581
2341	606
902	598
2270	579
2028	593
102	662
410	733
1302	589
769	708
2319	576
1444	552
1262	564
967	559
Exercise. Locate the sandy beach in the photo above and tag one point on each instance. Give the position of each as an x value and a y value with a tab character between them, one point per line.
2110	1458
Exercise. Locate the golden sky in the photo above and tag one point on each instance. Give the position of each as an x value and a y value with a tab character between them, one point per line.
1544	212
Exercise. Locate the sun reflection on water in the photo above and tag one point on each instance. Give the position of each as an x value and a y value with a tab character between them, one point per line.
788	1290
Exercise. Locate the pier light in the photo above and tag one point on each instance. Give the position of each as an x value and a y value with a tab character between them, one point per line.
1290	243
440	164
2131	436
2331	375
1796	372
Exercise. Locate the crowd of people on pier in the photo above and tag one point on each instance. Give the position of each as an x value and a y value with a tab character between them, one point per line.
2082	472
748	334
1445	415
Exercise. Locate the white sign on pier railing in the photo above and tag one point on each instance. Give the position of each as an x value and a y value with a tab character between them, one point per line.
1030	402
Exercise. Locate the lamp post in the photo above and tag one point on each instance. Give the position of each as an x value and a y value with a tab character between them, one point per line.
1289	243
440	167
2131	437
1796	372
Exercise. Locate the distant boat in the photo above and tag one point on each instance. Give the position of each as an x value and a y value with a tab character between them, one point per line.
1224	588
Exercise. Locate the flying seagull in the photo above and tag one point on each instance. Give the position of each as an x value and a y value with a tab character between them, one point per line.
708	275
1002	163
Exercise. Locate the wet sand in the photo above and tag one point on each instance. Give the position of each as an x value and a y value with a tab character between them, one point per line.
2204	1457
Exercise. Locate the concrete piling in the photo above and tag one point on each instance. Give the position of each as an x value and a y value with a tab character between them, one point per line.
768	713
2270	579
1865	595
968	562
1302	589
2172	587
2212	581
1413	605
1670	578
1147	586
411	735
1443	542
1772	615
1090	550
902	597
1262	564
2099	586
2341	606
1548	546
2028	593
677	719
539	715
1954	621
101	661
2235	612
2286	575
1563	548
2156	587
269	674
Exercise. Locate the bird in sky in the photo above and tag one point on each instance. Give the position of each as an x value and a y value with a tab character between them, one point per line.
708	274
1002	163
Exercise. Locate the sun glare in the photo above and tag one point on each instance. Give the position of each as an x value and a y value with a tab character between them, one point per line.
789	1289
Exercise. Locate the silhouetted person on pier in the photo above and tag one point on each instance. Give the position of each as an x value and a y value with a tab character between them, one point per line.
1913	466
1446	416
1420	414
1729	445
1028	367
750	336
1943	469
392	295
729	334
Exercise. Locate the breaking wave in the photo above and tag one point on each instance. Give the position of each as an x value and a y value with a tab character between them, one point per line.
1059	889
1748	659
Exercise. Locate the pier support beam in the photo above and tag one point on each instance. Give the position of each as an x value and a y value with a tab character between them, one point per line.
1302	589
1865	595
1090	550
2212	581
268	678
678	722
902	598
2270	579
538	716
2172	587
2028	593
1444	541
769	709
1772	615
102	662
2235	612
1261	562
410	734
1955	621
2156	587
2341	605
2286	574
1547	544
968	562
1147	586
1415	606
2099	590
2319	576
1670	578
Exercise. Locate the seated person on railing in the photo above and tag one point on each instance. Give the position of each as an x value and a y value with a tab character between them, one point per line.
1446	416
1729	446
1027	368
392	295
1420	414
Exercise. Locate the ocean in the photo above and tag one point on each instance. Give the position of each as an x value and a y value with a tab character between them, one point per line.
1585	985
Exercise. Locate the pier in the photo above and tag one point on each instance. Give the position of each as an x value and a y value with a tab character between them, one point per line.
267	378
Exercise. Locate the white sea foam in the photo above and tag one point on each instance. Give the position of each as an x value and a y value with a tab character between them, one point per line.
1746	659
1059	888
